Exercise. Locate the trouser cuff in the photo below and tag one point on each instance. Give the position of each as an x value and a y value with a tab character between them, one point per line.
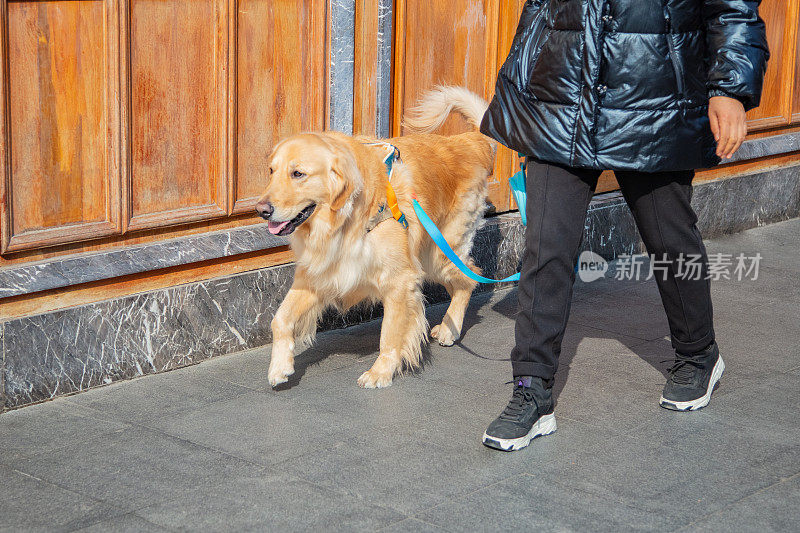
537	370
694	346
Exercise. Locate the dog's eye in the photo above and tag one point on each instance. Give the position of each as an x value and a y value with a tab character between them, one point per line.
297	174
271	171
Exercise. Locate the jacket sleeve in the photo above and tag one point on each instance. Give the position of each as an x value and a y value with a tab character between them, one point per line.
737	49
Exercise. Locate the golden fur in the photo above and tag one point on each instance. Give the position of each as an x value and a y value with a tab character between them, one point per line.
340	264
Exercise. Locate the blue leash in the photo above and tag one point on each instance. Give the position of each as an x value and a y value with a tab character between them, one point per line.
441	242
517	182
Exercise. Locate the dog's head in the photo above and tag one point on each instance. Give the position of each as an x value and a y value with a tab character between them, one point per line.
308	173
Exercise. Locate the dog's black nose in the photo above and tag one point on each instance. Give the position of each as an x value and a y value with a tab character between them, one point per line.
264	210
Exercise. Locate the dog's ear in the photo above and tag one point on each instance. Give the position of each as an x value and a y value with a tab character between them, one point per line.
346	178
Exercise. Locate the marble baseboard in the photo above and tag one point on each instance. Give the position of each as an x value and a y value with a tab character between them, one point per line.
736	204
74	349
342	62
767	146
108	264
79	348
383	82
610	228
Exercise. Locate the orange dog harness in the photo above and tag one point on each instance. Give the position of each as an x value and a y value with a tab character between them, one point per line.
392	156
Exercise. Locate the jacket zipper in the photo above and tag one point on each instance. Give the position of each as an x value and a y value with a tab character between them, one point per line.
677	67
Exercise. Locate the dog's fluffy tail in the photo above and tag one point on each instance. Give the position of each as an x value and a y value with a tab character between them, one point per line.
436	105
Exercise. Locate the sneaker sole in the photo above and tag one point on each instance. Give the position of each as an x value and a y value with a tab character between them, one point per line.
699	403
544	426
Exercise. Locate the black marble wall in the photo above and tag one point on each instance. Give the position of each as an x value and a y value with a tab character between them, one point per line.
736	204
82	347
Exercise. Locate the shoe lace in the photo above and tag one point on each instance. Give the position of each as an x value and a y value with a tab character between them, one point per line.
521	397
683	370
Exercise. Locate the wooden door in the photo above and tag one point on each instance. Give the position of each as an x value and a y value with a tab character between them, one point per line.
780	88
215	83
178	111
125	117
459	42
280	83
796	82
60	116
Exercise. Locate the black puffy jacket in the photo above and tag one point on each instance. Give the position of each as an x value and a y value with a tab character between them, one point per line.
624	84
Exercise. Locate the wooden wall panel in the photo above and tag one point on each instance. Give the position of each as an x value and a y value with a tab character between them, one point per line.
280	81
434	46
781	18
439	48
796	83
178	111
61	116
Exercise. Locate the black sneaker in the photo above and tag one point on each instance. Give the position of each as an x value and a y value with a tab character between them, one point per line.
692	379
528	415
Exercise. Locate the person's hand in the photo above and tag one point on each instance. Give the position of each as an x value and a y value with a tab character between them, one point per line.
727	124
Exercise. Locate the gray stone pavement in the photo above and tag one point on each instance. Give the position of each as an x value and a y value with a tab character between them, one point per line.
211	447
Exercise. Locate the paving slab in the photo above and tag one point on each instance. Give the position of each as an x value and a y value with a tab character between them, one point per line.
261	428
404	473
268	502
126	523
616	314
133	467
540	503
412	525
149	397
777	244
776	508
50	426
31	504
678	478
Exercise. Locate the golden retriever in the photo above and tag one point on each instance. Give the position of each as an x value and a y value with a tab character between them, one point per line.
325	190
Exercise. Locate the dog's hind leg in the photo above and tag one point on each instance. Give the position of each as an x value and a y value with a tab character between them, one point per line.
403	331
460	288
296	319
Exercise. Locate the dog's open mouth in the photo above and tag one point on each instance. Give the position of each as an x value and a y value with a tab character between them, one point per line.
288	226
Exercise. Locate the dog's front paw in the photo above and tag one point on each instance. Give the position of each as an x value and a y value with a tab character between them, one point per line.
375	379
443	334
279	372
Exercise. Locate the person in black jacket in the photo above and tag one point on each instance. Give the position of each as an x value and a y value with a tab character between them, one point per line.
651	89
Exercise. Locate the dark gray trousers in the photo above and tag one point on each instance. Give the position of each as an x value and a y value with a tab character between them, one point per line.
558	198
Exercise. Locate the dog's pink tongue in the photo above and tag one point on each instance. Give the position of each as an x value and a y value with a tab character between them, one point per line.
276	227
